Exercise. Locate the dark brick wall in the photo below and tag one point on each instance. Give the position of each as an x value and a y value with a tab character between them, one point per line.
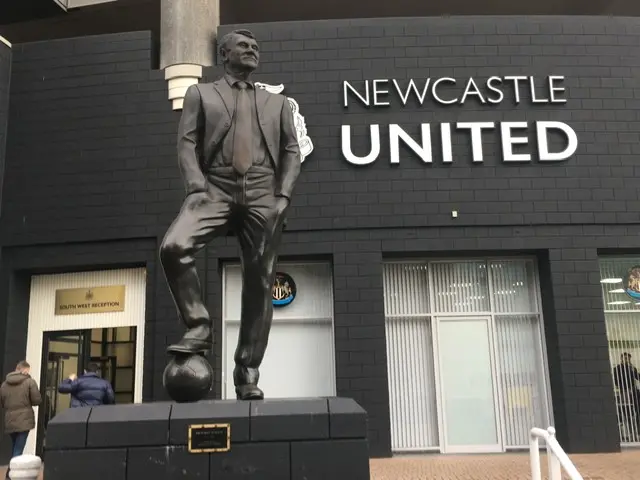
594	54
91	141
563	212
91	158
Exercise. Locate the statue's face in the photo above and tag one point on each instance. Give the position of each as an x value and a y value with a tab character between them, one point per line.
242	53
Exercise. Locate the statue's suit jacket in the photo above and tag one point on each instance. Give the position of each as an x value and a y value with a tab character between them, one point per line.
207	114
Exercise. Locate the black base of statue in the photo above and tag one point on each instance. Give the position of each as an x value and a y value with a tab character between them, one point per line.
301	439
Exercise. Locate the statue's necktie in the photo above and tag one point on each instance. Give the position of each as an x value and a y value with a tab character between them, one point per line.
242	137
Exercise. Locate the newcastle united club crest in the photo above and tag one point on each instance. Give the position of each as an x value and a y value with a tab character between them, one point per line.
632	282
284	290
306	145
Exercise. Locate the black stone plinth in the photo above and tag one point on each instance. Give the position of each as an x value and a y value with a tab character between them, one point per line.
288	439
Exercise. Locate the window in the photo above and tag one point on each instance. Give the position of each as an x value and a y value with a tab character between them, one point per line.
620	283
421	295
299	361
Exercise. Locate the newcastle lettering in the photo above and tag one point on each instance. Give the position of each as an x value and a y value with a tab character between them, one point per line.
387	92
448	91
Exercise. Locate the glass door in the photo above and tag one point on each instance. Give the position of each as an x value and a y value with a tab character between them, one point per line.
63	354
468	388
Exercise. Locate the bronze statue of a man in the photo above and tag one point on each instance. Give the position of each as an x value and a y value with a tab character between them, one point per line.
239	159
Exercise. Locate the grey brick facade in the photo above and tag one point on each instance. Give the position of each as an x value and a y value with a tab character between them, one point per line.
91	164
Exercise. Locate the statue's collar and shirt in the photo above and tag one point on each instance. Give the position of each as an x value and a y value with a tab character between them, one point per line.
231	80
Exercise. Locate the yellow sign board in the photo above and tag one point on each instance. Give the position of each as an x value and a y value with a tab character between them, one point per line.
76	301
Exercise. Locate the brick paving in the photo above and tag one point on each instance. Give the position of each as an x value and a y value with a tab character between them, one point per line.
510	466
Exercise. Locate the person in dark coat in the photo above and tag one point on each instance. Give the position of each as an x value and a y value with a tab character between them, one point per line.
88	389
19	393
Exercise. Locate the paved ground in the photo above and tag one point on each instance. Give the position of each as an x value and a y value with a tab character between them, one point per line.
615	466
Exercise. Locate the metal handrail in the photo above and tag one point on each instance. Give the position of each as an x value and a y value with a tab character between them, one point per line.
556	457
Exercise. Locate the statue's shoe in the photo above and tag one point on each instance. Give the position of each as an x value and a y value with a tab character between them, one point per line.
189	345
249	392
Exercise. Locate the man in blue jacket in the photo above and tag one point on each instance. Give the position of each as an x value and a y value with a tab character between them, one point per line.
88	389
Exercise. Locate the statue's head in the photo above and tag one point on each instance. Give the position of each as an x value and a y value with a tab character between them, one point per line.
239	51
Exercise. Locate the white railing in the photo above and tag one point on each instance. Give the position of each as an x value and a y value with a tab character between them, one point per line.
556	457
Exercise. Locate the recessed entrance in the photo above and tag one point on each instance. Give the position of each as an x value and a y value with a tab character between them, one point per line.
82	317
466	354
301	344
69	352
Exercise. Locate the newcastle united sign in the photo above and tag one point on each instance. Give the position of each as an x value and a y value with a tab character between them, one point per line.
449	91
